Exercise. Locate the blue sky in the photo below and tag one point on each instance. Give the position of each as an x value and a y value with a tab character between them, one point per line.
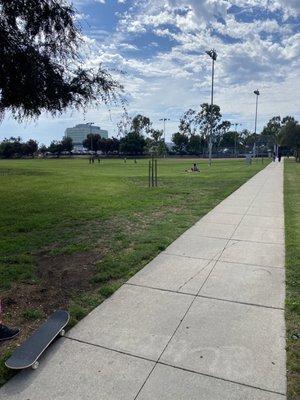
160	45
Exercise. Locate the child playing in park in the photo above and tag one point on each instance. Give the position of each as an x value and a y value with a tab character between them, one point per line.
7	333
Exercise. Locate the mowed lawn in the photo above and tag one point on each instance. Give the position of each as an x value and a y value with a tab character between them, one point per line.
71	233
292	232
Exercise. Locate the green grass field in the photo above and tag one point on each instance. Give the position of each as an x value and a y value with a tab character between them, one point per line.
292	231
71	233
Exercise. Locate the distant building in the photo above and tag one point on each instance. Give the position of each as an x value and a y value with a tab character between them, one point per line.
79	134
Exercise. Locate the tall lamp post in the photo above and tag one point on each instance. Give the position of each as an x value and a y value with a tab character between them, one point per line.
213	55
235	139
164	121
257	93
91	137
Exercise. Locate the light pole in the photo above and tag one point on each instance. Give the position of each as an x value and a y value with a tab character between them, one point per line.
257	93
164	121
91	137
235	138
213	55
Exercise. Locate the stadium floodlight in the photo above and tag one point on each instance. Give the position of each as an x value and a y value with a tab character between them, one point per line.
164	120
213	55
257	93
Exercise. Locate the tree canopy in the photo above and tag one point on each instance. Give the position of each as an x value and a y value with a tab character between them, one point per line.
290	136
181	141
194	129
14	148
41	66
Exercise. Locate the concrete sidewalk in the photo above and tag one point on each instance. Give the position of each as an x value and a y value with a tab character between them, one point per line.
203	321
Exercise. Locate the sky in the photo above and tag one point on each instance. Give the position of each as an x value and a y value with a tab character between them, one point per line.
156	48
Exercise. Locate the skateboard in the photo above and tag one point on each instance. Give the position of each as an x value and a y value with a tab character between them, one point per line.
28	353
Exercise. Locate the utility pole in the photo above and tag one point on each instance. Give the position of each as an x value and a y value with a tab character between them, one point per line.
213	55
257	93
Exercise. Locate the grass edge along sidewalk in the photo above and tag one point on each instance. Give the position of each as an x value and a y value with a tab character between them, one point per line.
292	237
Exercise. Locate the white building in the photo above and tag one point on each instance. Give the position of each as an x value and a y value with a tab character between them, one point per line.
79	134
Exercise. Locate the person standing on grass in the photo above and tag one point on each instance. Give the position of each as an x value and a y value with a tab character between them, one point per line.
7	333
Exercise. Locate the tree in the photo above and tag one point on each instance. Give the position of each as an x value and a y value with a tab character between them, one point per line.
194	127
67	144
156	135
114	145
92	142
273	128
41	65
110	145
43	149
195	144
229	139
56	148
188	122
204	120
133	143
222	129
180	141
155	143
247	139
140	125
287	119
30	148
12	147
290	136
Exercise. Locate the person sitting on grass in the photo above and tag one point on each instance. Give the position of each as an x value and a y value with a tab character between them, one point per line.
194	168
7	333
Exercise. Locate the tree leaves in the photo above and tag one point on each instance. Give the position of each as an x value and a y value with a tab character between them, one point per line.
40	61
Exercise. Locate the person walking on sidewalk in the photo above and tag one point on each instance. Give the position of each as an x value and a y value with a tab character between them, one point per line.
279	155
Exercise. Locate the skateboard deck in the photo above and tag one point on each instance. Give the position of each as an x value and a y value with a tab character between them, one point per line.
29	352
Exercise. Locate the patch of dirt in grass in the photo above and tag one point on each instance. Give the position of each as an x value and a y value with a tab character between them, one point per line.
59	279
72	272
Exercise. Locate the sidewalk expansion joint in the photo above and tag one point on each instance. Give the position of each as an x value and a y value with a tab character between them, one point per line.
221	379
236	240
204	296
225	261
109	349
171	366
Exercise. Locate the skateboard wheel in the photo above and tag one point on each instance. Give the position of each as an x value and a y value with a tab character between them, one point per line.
35	365
62	332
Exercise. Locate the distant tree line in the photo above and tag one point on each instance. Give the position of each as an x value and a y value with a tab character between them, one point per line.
195	129
138	138
285	132
14	147
192	138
